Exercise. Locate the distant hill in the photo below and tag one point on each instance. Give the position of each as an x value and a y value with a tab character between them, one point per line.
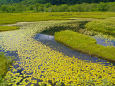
53	1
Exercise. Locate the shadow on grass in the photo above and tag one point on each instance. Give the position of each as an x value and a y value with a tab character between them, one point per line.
74	26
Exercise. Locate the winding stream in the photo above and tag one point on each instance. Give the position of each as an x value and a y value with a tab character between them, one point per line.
50	41
40	58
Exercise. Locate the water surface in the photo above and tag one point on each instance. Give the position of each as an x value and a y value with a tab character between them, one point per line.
49	41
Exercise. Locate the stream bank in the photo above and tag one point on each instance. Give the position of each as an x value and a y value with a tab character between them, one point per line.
48	40
39	63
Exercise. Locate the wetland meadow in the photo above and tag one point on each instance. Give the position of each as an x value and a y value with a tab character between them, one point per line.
57	49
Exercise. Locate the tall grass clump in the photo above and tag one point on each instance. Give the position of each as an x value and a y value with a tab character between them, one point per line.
85	44
4	64
105	26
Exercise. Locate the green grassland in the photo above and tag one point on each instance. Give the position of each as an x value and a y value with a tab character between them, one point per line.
105	26
8	18
85	44
8	28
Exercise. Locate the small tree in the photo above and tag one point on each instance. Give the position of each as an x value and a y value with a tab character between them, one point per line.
102	7
4	8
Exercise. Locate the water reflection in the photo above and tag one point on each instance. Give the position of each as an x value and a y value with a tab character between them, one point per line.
104	41
49	41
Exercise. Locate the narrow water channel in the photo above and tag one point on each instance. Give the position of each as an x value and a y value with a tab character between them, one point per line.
104	41
35	60
49	41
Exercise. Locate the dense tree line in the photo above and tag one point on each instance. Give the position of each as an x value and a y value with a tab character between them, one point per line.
48	7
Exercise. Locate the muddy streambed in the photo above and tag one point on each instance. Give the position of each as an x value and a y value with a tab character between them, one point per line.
50	41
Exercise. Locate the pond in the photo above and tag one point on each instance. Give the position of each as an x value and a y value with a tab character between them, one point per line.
49	41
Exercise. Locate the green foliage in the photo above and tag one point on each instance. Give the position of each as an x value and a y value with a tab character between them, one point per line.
102	7
31	6
4	64
27	17
8	28
106	26
81	43
74	26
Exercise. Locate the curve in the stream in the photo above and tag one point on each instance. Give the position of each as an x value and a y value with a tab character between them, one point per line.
49	41
39	63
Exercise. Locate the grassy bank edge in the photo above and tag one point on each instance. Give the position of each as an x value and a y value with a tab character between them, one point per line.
5	62
60	38
8	28
105	26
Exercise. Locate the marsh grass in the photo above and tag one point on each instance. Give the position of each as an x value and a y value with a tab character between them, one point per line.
85	44
4	64
105	26
9	18
8	28
63	68
73	25
46	64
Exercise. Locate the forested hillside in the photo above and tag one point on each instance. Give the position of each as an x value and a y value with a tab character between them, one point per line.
10	6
